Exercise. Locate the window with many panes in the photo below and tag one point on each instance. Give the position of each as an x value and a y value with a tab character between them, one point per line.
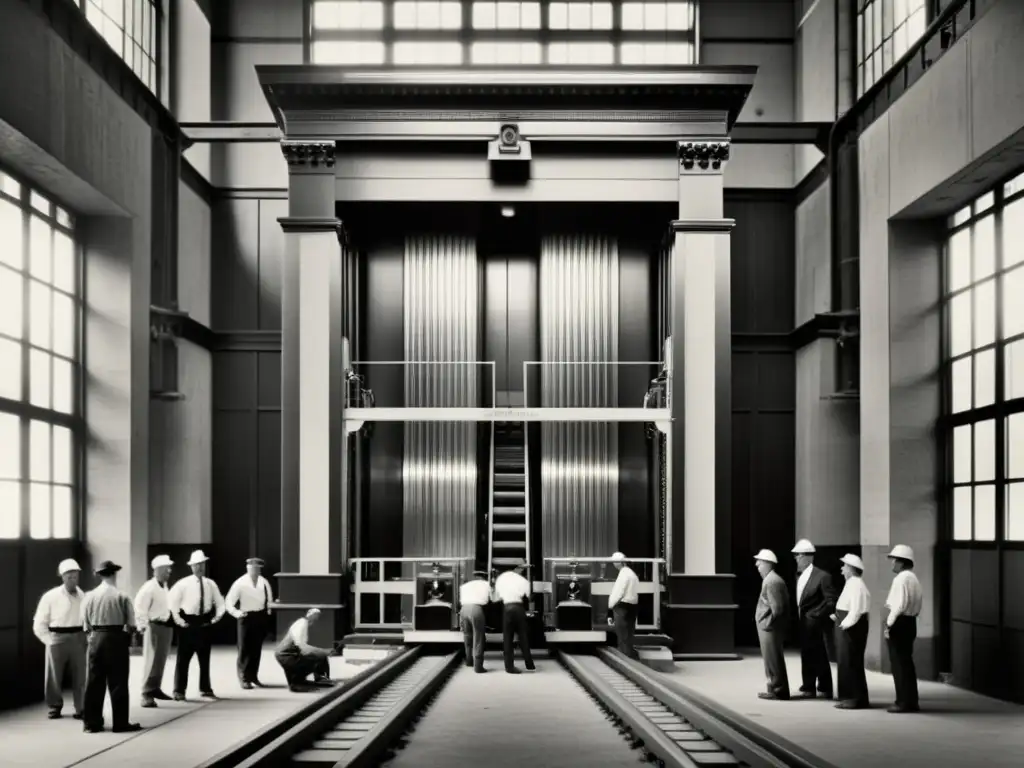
132	29
984	307
40	322
489	34
885	31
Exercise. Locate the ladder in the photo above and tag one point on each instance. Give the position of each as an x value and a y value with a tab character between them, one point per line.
509	532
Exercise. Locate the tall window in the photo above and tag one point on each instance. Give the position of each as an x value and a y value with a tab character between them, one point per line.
40	311
885	31
131	28
493	34
985	370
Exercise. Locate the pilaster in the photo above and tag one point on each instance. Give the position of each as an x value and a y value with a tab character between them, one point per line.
701	604
312	392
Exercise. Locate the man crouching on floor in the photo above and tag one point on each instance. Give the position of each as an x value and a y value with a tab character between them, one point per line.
299	659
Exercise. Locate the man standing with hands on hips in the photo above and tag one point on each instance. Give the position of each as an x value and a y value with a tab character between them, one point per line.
58	625
249	601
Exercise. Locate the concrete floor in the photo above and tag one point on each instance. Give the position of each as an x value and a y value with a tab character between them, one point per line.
955	728
176	735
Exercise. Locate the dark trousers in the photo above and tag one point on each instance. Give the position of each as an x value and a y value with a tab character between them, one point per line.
193	640
775	672
252	631
297	666
513	622
902	635
624	617
814	667
107	671
850	646
474	633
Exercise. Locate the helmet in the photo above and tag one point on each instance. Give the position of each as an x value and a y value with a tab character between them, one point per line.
853	560
803	547
903	552
767	555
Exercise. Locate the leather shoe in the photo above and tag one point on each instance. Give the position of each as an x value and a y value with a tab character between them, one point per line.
771	696
53	714
126	728
246	686
148	704
179	696
159	696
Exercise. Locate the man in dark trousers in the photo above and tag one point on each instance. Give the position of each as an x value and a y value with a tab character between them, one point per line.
109	620
771	616
249	601
196	604
514	591
474	595
904	604
815	602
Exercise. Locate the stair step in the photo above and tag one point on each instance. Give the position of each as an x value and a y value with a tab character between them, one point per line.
505	560
510	511
509	527
509	544
509	495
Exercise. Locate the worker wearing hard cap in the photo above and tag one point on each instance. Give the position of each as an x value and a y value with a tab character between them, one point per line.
904	604
851	619
815	602
771	617
622	605
514	591
58	625
153	615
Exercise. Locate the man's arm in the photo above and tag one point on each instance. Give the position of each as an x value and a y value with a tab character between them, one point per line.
174	603
828	589
86	605
618	590
902	602
129	613
218	601
231	601
775	594
41	621
270	596
143	602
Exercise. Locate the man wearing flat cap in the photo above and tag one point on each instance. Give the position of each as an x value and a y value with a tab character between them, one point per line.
196	605
109	619
514	591
473	596
153	614
58	625
249	601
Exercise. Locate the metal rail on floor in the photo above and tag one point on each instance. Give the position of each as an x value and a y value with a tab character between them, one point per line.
345	698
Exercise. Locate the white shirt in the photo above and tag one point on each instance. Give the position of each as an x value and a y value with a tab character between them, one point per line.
249	597
905	597
184	595
855	600
151	603
510	587
625	589
57	608
299	632
476	592
801	584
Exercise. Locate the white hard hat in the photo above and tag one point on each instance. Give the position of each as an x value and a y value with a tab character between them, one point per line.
852	560
66	566
803	547
767	555
903	552
160	560
618	557
197	558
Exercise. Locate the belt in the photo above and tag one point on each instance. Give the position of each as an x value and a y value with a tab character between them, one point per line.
162	622
108	628
66	630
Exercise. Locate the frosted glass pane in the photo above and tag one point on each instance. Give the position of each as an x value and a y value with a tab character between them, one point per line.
985	513
1015	447
505	53
1013	302
985	313
40	299
984	247
1013	233
63	512
64	325
63	386
1015	512
39	511
10	369
10	510
984	378
39	378
11	234
962	454
1014	370
12	291
962	514
985	451
10	447
960	324
961	382
62	455
347	52
39	451
958	260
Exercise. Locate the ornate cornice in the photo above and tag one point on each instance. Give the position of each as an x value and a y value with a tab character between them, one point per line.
308	154
701	155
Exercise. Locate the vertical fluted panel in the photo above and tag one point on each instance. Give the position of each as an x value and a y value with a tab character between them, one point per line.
579	323
439	471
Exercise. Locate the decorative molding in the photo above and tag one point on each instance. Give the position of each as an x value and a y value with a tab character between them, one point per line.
308	154
703	155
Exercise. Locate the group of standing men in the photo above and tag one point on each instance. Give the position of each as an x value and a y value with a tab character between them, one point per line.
821	612
88	636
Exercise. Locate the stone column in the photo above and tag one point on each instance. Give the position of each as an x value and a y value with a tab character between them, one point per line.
312	395
701	605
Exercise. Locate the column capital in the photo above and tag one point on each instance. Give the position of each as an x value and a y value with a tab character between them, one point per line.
703	155
301	225
302	155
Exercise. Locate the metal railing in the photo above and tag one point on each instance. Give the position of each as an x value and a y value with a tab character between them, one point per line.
600	586
654	367
402	582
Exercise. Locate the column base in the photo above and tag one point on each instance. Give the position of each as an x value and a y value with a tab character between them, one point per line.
298	592
700	616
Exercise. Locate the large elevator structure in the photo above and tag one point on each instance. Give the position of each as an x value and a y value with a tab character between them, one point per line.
506	338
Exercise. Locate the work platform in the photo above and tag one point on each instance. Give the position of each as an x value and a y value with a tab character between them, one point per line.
175	735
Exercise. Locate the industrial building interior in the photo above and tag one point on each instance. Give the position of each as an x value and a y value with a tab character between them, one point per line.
157	185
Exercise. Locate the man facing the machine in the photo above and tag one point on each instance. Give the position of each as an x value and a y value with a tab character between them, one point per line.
473	596
514	591
622	605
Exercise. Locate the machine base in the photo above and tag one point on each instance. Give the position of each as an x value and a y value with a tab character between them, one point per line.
581	636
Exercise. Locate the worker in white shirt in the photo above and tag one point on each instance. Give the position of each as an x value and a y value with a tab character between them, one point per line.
622	605
473	596
904	604
196	605
58	625
299	659
851	619
153	618
514	591
249	601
